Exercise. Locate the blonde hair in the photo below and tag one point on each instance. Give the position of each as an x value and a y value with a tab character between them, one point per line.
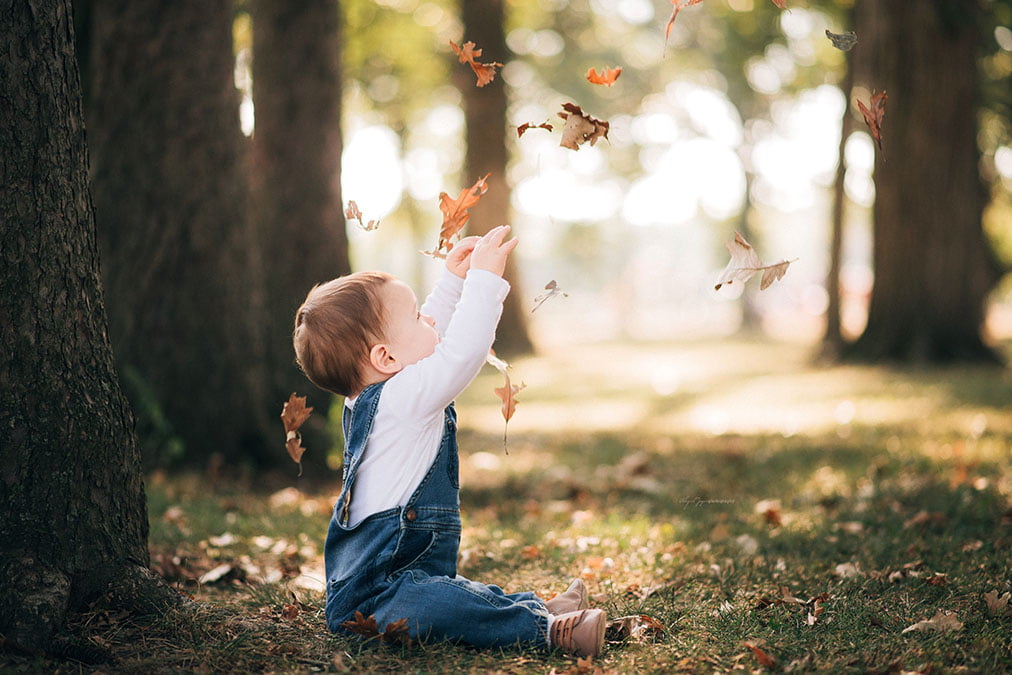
335	328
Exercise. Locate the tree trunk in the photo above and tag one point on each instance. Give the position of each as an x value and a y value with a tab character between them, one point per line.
297	179
933	269
485	114
73	516
170	188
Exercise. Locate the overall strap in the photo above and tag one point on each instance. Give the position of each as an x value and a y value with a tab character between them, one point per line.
357	424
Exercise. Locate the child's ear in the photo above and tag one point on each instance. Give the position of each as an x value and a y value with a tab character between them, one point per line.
382	360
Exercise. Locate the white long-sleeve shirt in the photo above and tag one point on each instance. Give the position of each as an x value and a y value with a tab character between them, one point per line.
408	426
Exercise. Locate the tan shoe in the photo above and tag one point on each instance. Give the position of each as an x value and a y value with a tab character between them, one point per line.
573	600
580	633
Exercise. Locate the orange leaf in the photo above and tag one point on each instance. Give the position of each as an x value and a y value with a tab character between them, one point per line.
678	5
485	72
782	4
580	127
455	214
293	414
353	213
607	76
506	393
873	117
360	625
526	126
762	657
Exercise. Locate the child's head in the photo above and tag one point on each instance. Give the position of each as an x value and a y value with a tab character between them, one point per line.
358	329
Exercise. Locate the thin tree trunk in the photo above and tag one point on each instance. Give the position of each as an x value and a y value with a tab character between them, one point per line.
73	517
297	178
171	193
933	269
485	113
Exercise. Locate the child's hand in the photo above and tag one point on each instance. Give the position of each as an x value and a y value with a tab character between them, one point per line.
490	252
458	260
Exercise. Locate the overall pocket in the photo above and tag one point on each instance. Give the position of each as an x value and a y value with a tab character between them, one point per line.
412	547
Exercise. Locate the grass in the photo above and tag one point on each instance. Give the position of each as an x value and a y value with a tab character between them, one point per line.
730	491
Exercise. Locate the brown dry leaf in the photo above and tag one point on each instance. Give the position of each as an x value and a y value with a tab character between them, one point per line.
507	393
455	215
635	626
290	612
395	633
762	657
606	77
782	4
769	509
580	127
941	621
485	72
551	290
353	213
745	263
997	606
526	126
677	7
873	116
293	414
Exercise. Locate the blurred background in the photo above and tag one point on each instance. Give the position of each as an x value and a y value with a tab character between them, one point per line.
226	139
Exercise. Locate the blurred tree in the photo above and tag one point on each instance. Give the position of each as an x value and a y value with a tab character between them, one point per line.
485	112
73	520
296	178
170	186
933	267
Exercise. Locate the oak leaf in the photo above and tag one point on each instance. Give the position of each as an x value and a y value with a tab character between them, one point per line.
506	393
527	126
997	606
941	621
873	116
580	127
607	76
842	41
551	290
396	632
745	263
485	72
353	213
455	215
293	414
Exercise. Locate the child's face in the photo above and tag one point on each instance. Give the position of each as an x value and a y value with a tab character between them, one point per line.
410	335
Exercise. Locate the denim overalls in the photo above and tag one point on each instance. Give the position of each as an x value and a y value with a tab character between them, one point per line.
402	562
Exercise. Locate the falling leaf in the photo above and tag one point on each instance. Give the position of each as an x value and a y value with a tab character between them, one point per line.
762	657
676	8
526	126
455	215
353	213
997	606
551	290
395	633
580	127
293	414
942	622
745	263
607	76
636	626
782	4
506	393
485	72
842	41
873	117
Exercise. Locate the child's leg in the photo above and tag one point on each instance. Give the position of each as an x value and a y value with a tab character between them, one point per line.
444	608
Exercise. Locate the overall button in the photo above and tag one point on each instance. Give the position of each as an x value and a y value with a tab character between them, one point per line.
410	515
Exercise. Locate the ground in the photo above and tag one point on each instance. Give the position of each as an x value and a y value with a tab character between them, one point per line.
745	509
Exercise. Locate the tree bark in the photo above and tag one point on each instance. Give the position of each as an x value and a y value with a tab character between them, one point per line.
485	115
933	269
170	185
297	179
73	516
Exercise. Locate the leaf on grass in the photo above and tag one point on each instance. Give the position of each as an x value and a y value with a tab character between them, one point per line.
506	393
455	215
942	622
873	116
745	263
551	290
606	77
846	570
842	41
762	657
353	213
580	127
635	626
395	633
527	126
485	72
293	414
997	606
677	6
